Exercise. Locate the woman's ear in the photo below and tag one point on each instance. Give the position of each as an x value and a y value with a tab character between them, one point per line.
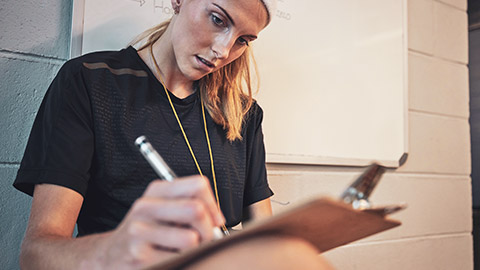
176	6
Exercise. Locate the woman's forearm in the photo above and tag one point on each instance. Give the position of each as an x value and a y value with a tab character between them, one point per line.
55	252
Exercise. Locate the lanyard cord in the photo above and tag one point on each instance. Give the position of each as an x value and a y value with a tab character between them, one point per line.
224	228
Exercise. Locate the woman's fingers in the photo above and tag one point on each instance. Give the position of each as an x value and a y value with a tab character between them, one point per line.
162	236
185	206
187	187
190	213
168	218
181	211
140	253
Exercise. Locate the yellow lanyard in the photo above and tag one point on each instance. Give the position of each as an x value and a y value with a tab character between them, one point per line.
224	228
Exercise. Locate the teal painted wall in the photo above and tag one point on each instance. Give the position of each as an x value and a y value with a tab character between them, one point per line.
34	43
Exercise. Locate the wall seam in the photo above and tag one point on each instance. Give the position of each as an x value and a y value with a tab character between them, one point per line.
431	56
458	117
451	6
9	163
451	117
410	50
31	57
421	237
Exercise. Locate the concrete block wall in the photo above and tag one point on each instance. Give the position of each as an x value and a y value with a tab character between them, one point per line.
34	43
435	180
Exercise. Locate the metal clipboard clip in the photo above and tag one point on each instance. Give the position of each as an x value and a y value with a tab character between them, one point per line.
358	192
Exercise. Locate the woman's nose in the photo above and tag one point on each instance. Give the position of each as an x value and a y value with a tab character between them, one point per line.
222	46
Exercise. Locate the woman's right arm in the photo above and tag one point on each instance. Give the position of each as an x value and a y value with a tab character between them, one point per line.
168	218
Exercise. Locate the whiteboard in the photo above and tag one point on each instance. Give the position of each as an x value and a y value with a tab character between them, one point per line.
333	74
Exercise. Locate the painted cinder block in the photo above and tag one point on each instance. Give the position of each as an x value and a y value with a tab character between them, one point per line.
451	33
294	186
420	25
436	204
437	86
437	144
22	90
445	252
36	27
460	4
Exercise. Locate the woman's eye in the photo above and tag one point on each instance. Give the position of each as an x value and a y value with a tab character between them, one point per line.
243	41
216	20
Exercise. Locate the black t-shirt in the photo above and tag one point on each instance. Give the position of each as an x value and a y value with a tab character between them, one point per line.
83	139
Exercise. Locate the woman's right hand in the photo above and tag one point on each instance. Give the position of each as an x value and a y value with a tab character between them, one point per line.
168	218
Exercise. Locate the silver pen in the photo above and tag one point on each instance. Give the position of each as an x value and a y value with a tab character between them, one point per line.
161	168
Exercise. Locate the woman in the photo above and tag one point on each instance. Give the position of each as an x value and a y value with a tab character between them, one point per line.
182	89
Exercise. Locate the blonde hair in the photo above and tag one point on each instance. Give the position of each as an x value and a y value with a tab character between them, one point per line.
223	90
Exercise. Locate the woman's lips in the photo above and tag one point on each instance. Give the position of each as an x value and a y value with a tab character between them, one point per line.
205	64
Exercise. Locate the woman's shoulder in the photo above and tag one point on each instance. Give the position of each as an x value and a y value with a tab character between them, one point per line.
255	110
254	116
113	60
97	72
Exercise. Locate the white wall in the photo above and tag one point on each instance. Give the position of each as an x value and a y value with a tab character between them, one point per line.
435	180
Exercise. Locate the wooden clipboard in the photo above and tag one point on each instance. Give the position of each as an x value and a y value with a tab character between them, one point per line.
324	222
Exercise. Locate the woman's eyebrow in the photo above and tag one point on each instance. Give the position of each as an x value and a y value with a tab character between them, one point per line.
226	13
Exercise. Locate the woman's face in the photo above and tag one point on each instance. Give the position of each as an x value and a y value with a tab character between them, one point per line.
209	34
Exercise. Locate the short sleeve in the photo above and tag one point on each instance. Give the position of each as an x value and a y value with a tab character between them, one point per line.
60	146
256	185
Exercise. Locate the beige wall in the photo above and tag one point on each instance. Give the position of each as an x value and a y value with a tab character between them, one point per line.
435	180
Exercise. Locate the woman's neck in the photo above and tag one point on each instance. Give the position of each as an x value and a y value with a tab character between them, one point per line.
167	71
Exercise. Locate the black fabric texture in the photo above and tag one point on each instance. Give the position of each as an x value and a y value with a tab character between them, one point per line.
83	139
